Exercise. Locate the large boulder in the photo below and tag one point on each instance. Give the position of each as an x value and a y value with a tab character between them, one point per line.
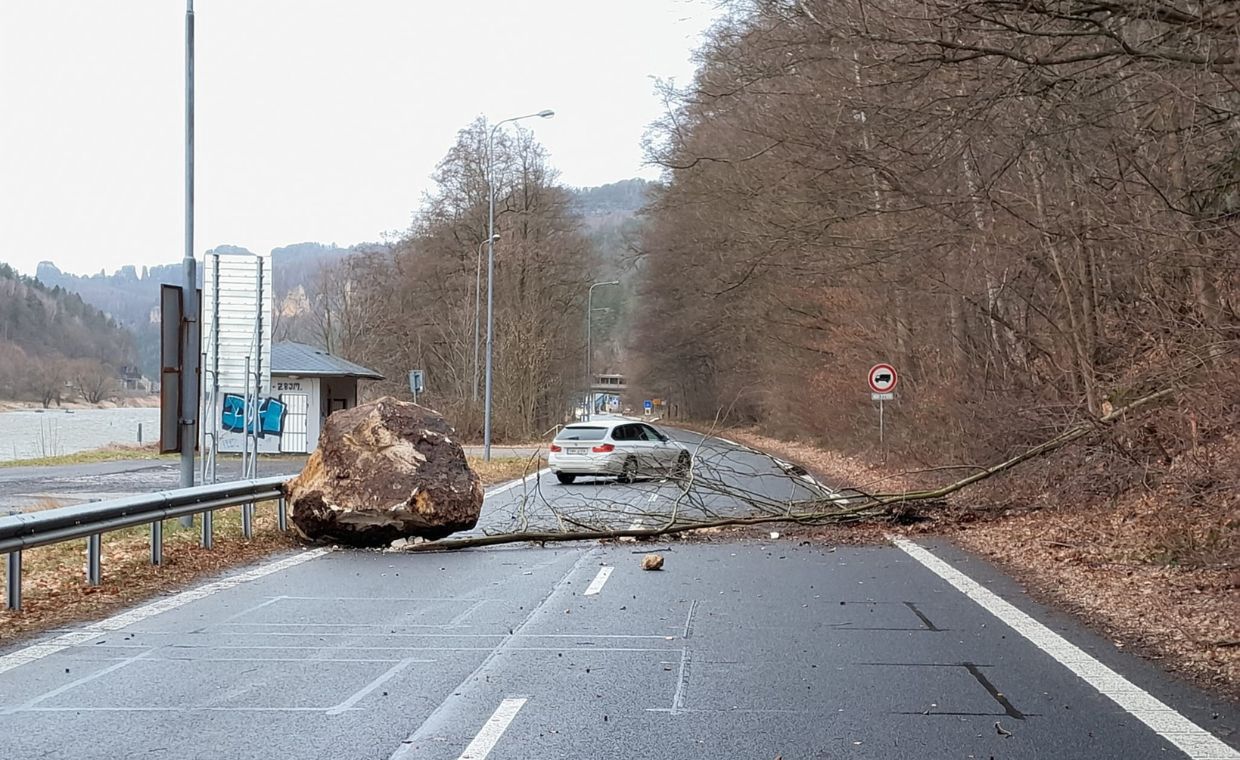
383	471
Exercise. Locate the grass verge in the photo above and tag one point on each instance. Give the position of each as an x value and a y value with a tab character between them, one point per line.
115	453
54	588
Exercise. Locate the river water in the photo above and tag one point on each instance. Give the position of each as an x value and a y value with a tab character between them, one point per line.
53	432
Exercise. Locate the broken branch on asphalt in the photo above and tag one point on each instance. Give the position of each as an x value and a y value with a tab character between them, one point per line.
721	491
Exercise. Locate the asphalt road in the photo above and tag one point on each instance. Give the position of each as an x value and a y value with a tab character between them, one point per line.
736	649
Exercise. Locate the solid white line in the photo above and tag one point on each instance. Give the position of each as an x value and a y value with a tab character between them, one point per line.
1191	739
74	684
494	728
116	622
519	481
678	699
363	692
596	585
725	440
459	619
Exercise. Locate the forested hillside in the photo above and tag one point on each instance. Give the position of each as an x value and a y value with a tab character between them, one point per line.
1031	210
1031	213
50	337
611	218
131	295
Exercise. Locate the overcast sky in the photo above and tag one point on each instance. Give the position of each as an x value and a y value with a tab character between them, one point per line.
318	120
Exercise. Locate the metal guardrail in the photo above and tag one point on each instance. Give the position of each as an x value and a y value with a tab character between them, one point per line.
90	521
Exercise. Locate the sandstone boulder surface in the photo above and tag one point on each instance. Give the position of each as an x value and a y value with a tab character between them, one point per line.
383	471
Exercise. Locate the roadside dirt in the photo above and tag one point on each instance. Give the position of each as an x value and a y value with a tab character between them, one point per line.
1153	562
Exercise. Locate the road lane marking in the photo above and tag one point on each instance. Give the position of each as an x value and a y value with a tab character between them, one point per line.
678	699
1191	739
689	619
79	682
366	690
493	729
460	619
91	631
238	615
519	481
596	585
440	713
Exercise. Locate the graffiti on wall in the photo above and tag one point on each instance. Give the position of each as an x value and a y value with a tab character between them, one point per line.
268	421
606	402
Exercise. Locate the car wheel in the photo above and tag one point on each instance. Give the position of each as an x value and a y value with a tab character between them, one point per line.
628	471
683	464
565	478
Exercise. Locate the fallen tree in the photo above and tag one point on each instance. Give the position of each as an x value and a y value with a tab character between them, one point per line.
710	479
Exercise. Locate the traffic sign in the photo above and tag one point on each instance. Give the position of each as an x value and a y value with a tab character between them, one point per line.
647	405
883	378
415	381
882	396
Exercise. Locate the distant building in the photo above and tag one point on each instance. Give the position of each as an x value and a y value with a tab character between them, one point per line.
310	384
132	380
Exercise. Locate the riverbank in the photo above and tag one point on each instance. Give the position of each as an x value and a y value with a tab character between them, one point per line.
128	402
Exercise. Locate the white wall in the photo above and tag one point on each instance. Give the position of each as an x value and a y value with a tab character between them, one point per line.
284	384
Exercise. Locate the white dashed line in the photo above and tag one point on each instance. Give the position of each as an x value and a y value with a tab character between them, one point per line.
1191	739
494	728
116	622
596	585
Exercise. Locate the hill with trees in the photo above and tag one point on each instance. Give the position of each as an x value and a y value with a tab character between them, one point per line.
50	338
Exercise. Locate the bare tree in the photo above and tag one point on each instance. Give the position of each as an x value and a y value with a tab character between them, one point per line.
92	380
415	305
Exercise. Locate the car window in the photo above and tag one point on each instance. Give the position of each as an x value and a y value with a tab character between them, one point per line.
650	433
581	434
623	433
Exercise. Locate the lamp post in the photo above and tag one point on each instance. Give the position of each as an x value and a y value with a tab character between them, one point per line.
190	347
478	309
589	410
486	408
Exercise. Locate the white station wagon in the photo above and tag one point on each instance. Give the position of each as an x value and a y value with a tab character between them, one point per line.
625	449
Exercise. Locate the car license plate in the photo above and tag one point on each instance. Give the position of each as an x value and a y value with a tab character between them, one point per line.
577	451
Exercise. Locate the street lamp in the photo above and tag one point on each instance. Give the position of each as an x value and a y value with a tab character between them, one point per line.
191	401
478	308
486	408
589	410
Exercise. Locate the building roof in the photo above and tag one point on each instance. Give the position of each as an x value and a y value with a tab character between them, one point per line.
299	359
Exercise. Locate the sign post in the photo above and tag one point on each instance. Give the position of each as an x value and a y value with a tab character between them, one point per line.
415	383
882	380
